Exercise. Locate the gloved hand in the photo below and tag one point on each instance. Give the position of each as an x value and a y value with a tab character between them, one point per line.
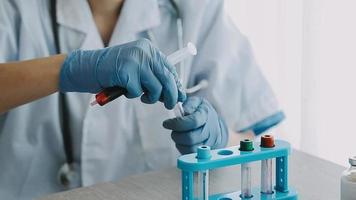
200	125
137	66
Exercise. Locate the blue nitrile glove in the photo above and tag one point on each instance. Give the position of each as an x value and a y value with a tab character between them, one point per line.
137	66
200	125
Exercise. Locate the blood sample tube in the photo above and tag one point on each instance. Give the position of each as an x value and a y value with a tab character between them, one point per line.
203	175
267	141
107	95
246	146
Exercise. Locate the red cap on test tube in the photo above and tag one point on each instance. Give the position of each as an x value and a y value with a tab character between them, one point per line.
267	141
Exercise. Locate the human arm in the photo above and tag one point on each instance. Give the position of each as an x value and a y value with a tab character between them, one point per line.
25	81
137	67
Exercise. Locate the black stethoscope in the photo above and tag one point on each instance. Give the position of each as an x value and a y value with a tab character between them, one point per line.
69	175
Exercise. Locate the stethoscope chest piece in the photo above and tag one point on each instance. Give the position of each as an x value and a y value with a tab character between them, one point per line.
69	176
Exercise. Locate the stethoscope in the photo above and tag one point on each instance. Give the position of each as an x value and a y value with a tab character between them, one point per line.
69	173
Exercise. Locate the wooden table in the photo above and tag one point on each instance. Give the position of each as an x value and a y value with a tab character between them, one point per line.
312	177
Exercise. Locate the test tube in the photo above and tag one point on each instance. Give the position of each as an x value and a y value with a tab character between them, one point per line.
246	146
267	141
246	180
203	184
203	175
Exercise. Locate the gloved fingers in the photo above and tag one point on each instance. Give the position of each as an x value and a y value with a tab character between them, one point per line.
223	138
133	88
182	96
152	88
168	72
213	140
169	87
196	136
218	138
186	149
189	121
161	99
191	104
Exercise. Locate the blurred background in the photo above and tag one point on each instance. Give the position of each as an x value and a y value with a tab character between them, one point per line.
306	49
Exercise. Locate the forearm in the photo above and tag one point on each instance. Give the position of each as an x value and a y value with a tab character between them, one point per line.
25	81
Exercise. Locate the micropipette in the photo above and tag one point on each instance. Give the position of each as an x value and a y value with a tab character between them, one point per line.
111	93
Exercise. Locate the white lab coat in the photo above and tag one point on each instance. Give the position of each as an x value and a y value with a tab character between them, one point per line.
124	137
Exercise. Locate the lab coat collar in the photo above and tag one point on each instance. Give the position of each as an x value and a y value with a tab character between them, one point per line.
74	14
136	16
139	15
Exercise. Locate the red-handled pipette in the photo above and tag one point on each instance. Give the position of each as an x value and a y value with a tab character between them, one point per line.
111	93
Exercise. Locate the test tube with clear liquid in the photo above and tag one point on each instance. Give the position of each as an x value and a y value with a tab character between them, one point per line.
267	141
245	147
203	153
246	180
203	185
266	176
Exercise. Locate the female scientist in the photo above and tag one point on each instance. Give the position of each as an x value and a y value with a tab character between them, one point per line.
124	137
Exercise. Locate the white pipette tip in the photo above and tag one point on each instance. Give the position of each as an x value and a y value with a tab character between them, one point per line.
192	49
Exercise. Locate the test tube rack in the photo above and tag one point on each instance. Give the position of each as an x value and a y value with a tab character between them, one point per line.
218	158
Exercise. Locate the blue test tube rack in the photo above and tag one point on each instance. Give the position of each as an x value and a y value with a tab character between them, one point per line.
218	158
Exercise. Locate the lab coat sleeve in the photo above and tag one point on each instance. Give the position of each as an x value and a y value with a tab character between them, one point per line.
237	88
9	30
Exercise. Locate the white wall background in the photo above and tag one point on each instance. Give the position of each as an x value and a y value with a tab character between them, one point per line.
307	50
